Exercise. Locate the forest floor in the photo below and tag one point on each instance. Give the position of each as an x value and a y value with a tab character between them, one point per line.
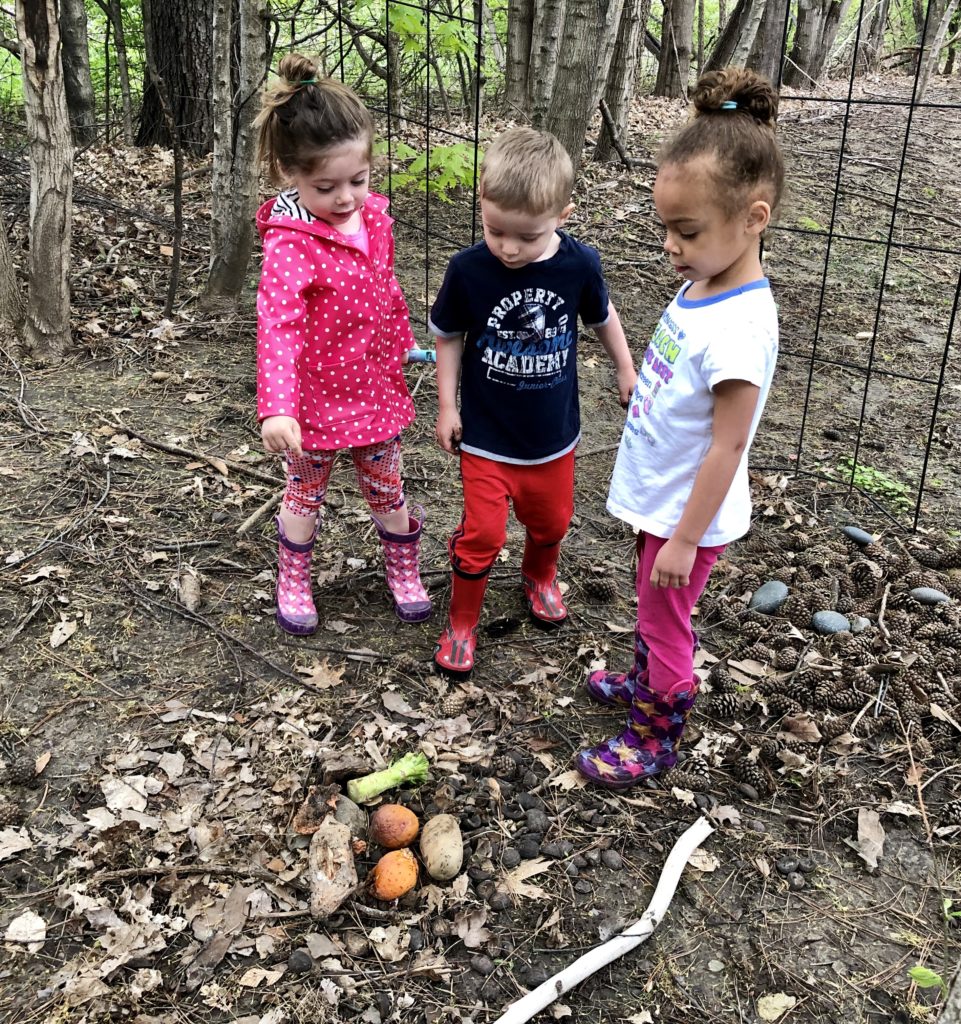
154	873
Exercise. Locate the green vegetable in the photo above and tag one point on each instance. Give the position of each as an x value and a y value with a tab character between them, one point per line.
409	768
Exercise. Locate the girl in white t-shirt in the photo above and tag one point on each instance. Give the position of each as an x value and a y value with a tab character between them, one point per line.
680	478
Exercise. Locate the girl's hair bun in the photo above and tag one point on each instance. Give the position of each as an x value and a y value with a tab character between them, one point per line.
751	92
295	68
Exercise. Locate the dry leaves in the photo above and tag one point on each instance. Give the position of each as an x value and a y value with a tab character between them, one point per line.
514	882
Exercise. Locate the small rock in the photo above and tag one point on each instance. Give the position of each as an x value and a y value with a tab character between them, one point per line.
786	866
928	595
510	857
535	976
593	856
529	848
859	536
830	434
769	597
582	885
384	1004
552	850
572	870
795	881
859	623
612	859
805	865
528	801
349	814
703	801
485	888
715	966
514	813
356	943
220	516
482	965
499	901
579	860
478	874
566	847
756	825
530	780
300	962
416	939
537	820
748	791
827	622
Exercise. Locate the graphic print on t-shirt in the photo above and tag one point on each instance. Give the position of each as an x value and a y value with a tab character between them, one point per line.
527	340
655	375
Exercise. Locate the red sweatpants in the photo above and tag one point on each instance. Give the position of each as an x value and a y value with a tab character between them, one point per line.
543	497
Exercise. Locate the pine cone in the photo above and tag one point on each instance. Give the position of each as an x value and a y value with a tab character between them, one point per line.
22	770
831	728
723	705
784	575
752	773
942	735
786	659
770	748
912	580
929	558
10	814
503	766
761	653
721	680
911	710
921	748
845	699
752	630
749	581
779	704
451	705
951	813
600	588
407	665
821	698
692	774
800	540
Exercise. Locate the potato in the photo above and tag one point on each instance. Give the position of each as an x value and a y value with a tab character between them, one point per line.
442	847
394	875
393	826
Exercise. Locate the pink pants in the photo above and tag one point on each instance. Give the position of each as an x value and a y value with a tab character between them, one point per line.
378	474
664	613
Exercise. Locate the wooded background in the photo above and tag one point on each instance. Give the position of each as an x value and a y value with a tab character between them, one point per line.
187	74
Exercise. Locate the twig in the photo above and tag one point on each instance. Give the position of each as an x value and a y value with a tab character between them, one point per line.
915	777
628	161
262	510
629	939
884	606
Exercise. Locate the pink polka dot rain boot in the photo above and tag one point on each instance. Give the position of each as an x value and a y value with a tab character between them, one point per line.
402	562
296	613
649	744
539	574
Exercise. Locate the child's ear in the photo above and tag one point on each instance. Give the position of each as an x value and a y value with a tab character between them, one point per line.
565	213
758	216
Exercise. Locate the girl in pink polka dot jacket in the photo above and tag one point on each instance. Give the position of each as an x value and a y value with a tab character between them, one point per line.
332	334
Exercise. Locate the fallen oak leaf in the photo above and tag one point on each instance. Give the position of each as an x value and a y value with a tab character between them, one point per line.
869	845
321	674
514	882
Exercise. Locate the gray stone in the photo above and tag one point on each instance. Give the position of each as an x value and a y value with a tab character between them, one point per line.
769	597
499	901
300	962
582	885
482	965
859	623
349	814
529	848
830	622
858	535
796	880
612	859
786	865
552	850
748	791
510	858
928	595
536	975
537	820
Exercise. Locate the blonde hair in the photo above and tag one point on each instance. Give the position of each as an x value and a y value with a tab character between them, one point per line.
735	114
303	116
527	170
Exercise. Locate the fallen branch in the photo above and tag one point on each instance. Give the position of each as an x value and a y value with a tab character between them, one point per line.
602	955
262	510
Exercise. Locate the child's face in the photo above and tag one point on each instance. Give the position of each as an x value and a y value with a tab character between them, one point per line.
517	238
704	242
337	186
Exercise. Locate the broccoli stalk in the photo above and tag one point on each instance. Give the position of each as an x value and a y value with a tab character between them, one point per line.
409	768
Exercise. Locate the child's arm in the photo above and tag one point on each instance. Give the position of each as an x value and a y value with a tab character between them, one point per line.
734	405
448	428
611	336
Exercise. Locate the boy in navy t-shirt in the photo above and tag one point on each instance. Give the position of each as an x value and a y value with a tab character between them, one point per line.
506	323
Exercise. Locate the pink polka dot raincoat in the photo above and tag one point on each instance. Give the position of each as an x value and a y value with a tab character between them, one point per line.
332	328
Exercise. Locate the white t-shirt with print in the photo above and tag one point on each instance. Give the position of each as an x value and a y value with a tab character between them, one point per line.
696	345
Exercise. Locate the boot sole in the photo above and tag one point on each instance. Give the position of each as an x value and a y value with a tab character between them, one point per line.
295	628
453	673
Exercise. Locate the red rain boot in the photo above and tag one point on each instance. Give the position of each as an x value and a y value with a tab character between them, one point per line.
539	573
454	653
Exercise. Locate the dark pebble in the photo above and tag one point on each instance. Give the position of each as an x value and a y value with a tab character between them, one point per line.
859	536
499	901
566	847
528	801
830	434
478	874
510	857
485	889
538	837
586	814
612	859
384	1004
582	886
220	516
416	939
748	791
300	962
703	801
514	812
552	850
535	976
795	880
507	788
805	865
473	821
530	780
756	825
529	849
593	856
572	870
537	820
786	866
769	597
579	860
482	965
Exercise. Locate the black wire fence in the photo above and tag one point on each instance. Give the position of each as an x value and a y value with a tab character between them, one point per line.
864	258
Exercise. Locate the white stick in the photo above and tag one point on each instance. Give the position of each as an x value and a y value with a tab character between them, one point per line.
601	956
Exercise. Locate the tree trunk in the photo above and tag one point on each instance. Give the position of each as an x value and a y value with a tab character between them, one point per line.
737	36
548	26
115	13
578	68
934	40
612	26
520	25
235	169
674	67
807	37
81	102
179	36
952	48
623	73
11	301
871	44
47	324
833	16
766	56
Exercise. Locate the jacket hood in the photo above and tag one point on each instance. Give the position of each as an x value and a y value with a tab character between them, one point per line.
374	204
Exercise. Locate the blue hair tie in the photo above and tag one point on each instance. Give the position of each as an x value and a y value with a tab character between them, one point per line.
729	105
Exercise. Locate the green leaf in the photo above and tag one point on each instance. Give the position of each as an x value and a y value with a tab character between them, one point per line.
924	977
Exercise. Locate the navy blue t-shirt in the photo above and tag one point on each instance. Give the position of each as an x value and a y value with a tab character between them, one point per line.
518	386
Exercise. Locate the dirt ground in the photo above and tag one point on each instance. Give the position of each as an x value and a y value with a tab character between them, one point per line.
152	871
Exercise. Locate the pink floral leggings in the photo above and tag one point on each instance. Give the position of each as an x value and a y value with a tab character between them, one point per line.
378	474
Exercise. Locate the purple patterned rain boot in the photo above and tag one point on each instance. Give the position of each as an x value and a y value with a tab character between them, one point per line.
616	689
402	562
295	607
649	744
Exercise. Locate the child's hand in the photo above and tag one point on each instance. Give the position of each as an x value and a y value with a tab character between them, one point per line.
281	433
626	379
448	430
673	564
